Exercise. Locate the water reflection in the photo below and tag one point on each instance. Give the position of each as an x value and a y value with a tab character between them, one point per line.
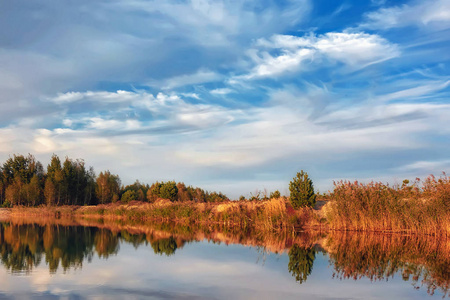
165	246
424	261
301	260
420	260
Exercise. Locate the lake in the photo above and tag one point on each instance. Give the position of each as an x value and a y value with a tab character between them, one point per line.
51	259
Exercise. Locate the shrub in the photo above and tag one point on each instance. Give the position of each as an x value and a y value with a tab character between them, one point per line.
275	195
302	191
128	196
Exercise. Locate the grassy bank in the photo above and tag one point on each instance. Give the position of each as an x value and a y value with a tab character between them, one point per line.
270	215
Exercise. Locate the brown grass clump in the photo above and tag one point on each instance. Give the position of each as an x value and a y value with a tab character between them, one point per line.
375	206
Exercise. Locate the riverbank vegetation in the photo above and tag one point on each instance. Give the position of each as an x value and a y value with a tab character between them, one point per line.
421	207
71	188
270	215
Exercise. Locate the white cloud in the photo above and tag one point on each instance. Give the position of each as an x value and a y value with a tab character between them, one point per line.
356	50
96	96
434	13
170	110
412	93
222	91
104	124
201	76
68	97
279	131
427	166
191	95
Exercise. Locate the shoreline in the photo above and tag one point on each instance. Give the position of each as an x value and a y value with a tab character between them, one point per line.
259	216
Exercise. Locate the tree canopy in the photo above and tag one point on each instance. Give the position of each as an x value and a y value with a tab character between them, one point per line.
23	181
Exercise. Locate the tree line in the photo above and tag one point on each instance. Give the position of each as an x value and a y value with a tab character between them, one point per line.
24	181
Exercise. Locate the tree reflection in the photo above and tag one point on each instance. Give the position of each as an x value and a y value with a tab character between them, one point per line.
164	246
301	260
23	246
106	243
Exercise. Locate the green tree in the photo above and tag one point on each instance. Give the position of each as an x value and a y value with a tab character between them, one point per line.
302	191
108	187
216	197
50	192
183	193
89	196
139	191
154	192
54	172
21	179
68	182
33	191
128	196
169	190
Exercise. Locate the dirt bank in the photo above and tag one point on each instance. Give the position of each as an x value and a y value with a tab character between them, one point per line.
4	213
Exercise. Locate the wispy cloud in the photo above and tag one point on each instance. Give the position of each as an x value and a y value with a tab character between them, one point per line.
427	166
199	77
434	13
355	50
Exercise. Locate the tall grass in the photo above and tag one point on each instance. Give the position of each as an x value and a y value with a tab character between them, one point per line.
423	207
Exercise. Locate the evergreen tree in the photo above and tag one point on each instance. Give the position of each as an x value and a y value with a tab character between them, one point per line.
302	191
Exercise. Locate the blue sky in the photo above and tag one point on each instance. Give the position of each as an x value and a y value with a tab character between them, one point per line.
235	96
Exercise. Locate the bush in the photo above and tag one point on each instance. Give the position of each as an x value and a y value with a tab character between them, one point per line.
275	195
302	191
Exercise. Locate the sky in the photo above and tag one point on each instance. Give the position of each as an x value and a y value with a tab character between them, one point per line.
231	96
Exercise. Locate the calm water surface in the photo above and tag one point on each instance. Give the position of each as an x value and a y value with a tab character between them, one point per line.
139	262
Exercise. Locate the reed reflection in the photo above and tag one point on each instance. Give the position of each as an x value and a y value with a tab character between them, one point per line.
420	259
